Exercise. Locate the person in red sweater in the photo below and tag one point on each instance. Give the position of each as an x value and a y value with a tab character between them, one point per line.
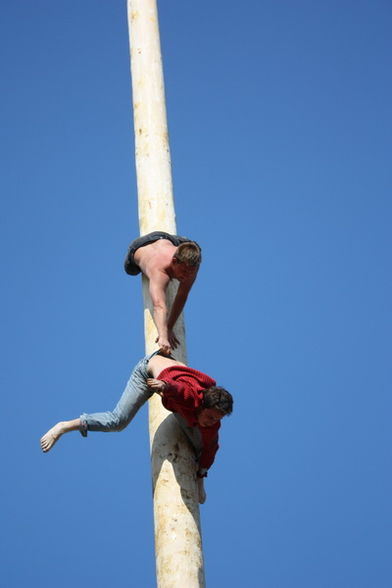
196	401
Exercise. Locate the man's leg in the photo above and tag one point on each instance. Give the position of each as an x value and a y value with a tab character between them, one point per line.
136	393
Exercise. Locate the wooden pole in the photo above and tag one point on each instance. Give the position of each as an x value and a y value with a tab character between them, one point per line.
179	556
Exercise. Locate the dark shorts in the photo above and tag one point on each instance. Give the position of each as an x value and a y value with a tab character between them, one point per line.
129	264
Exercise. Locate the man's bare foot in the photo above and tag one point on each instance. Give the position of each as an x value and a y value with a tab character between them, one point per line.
53	435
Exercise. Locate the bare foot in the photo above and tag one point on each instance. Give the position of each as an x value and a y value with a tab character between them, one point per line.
50	438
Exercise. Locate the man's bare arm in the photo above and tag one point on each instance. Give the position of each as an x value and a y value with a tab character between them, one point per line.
158	282
179	302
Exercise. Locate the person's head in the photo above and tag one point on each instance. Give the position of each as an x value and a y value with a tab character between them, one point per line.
188	253
217	403
186	260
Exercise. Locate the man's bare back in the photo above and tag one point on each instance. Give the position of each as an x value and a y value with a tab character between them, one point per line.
155	257
158	363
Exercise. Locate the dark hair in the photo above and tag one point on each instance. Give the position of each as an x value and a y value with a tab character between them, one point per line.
189	253
219	398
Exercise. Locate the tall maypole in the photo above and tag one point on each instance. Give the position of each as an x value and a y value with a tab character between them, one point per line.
179	556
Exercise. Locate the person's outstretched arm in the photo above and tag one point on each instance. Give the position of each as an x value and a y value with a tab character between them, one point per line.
158	282
179	302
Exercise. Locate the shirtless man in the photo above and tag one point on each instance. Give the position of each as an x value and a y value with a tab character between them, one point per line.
197	403
163	257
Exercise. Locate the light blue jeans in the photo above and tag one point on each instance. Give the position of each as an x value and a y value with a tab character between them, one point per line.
136	393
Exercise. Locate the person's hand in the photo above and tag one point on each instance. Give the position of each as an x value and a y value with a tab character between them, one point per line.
174	342
201	492
157	385
164	345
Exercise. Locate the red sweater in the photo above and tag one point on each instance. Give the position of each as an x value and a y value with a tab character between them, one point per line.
184	395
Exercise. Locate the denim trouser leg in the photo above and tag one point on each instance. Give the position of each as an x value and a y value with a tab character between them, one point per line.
136	393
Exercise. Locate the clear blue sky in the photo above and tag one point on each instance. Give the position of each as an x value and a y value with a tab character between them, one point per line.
281	136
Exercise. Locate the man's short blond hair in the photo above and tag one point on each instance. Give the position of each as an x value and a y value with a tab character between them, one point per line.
188	253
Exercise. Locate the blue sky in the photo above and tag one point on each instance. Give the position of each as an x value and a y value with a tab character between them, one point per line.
280	126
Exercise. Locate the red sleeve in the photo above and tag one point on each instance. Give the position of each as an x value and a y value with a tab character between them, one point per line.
210	438
181	392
